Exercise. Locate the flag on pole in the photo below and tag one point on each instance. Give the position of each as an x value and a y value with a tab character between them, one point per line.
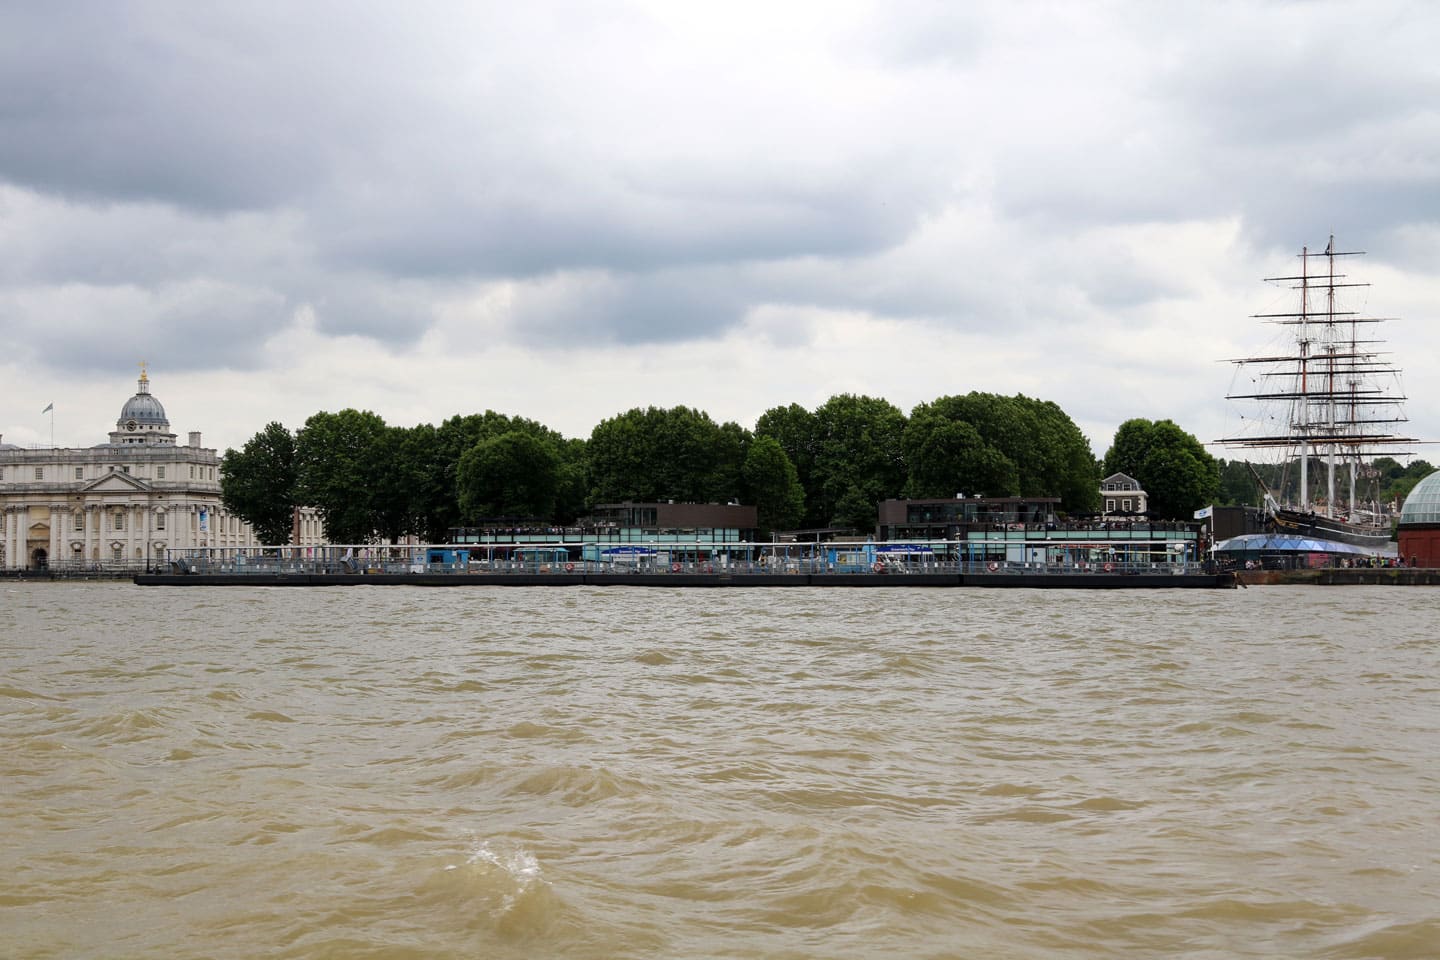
1203	512
48	408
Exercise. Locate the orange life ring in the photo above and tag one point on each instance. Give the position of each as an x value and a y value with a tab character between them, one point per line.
879	567
674	568
1109	568
569	568
992	566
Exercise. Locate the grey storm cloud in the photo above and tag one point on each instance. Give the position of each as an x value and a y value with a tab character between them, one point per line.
206	172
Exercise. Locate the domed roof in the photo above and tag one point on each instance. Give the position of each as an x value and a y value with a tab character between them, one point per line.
143	408
142	419
1423	504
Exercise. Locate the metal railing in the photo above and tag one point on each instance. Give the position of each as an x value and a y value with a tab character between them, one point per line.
754	560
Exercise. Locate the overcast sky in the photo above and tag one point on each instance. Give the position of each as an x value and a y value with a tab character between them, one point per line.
565	210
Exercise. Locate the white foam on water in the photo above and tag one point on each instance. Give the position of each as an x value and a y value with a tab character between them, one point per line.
512	869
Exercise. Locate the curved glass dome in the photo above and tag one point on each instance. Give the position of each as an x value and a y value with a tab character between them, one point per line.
1423	504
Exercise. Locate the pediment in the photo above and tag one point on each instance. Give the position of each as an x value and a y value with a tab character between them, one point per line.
116	482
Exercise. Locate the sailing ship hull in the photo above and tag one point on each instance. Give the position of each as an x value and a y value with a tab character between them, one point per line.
1295	523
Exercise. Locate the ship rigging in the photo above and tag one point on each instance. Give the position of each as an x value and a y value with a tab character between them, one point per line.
1336	394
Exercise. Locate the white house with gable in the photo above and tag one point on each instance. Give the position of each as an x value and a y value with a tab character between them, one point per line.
1122	495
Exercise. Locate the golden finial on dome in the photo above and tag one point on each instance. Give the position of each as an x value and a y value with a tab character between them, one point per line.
144	377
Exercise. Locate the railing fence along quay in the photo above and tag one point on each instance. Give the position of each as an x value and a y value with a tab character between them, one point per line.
689	560
71	570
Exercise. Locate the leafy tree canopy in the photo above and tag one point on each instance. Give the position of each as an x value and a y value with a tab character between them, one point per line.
257	483
338	461
1015	446
1172	466
515	474
772	485
656	454
859	459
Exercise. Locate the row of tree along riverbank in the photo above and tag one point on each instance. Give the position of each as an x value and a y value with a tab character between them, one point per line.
826	467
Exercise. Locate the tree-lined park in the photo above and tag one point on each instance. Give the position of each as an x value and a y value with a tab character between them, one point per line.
826	467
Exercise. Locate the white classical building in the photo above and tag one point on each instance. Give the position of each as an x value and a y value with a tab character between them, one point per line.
127	500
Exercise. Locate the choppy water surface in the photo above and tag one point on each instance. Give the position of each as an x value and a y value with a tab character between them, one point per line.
623	772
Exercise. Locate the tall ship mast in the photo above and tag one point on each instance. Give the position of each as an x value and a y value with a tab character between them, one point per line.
1329	398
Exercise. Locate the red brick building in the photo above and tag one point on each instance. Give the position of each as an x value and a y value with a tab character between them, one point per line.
1420	524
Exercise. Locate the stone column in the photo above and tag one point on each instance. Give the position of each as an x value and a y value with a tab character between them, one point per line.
57	532
94	517
14	554
21	535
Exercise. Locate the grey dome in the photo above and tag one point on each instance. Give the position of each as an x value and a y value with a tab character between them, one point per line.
142	419
1423	504
143	408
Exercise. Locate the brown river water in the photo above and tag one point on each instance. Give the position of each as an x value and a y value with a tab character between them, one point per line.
583	772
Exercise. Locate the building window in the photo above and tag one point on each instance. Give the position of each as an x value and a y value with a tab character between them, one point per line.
192	472
117	520
1127	506
1109	505
39	473
124	469
159	473
160	521
115	553
79	523
79	473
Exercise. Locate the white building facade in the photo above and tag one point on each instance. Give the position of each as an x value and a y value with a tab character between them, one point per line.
126	501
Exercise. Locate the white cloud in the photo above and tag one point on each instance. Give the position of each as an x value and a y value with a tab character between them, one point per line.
566	210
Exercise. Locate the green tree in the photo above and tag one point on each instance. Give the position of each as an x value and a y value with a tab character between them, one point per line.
338	465
859	459
434	454
1237	485
657	454
947	456
516	474
1173	467
793	427
393	480
1052	458
574	481
433	507
772	485
257	483
1399	487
